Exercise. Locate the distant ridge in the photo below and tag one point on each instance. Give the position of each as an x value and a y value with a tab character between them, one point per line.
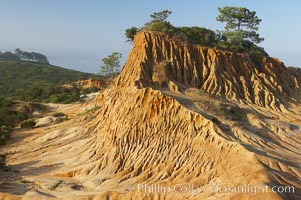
19	55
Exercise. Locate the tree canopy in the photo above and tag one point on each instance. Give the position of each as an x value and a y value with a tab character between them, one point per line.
238	18
241	24
111	63
159	22
130	33
240	33
160	16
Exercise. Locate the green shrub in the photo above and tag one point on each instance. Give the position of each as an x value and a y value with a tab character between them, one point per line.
5	102
5	133
29	123
61	119
164	27
58	114
85	91
6	129
91	110
233	112
24	181
55	185
196	35
51	94
10	117
2	160
130	33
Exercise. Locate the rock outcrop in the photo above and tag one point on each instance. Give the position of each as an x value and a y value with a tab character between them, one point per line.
151	130
143	136
157	59
90	83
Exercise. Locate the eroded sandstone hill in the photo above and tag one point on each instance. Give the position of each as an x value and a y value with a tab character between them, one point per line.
156	58
183	117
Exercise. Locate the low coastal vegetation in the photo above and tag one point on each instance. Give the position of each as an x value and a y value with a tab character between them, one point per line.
91	110
60	117
8	118
29	123
59	114
36	82
51	94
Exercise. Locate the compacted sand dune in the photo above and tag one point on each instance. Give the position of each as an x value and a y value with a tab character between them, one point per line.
179	122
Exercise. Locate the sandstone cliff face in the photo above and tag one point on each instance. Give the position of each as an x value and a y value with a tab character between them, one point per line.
151	129
90	83
155	58
143	135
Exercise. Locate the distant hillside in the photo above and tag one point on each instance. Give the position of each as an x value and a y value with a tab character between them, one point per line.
17	77
19	55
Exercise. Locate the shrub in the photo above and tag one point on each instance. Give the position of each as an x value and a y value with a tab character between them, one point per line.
58	114
50	94
85	91
91	110
130	33
196	35
6	129
61	119
164	27
2	160
233	39
5	133
9	117
5	102
29	123
55	185
233	112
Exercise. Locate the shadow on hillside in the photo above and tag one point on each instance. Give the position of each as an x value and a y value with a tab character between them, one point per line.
16	138
12	176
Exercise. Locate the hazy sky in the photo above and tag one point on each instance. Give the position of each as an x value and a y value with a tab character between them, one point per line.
77	34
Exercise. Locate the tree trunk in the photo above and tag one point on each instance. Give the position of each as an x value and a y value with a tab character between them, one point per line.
112	74
238	24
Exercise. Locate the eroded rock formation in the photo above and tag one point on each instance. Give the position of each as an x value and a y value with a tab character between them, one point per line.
90	83
156	58
151	129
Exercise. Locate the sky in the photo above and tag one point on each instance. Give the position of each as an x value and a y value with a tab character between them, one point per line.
77	34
